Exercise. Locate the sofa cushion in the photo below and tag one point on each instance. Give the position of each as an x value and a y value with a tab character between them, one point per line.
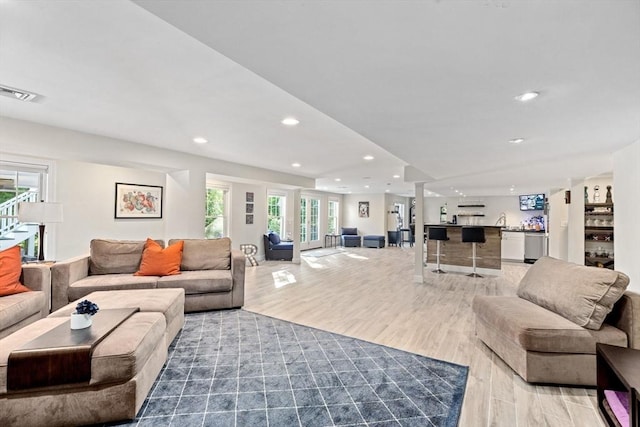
109	282
10	270
157	261
274	238
199	282
583	295
284	246
349	231
15	308
116	256
537	329
205	254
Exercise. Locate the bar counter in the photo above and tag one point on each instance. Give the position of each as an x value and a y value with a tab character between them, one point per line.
454	252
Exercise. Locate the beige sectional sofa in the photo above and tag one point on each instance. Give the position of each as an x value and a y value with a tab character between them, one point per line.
19	310
212	274
124	365
548	332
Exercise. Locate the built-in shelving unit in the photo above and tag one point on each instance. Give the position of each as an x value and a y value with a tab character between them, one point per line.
598	235
470	209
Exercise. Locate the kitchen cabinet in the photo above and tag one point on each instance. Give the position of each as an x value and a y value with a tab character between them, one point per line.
513	245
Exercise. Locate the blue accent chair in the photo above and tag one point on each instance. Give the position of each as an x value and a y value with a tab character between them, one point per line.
349	237
276	249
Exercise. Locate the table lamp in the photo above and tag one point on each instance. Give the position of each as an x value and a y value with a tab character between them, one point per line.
40	213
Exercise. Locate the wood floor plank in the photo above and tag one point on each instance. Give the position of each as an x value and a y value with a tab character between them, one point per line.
369	294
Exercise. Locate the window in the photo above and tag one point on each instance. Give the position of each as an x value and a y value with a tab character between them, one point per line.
215	221
314	214
20	183
303	220
276	213
332	219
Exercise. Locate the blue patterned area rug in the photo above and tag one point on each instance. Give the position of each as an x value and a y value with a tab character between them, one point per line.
236	368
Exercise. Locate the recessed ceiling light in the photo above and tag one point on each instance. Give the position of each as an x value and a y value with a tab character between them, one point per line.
18	94
200	140
527	96
290	121
366	186
368	157
337	180
516	141
387	190
396	176
296	165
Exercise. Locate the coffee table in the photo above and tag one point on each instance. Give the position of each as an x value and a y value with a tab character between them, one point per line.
61	355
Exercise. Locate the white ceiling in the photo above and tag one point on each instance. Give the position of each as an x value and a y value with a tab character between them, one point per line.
422	83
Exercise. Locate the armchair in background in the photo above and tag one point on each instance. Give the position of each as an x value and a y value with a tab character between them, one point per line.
276	249
349	237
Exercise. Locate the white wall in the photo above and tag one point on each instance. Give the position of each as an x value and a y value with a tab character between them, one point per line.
239	230
88	166
87	193
376	223
494	206
559	224
626	183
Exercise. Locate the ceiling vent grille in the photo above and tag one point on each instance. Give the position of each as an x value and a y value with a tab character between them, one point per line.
19	94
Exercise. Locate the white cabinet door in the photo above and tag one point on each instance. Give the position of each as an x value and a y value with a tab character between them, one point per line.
513	245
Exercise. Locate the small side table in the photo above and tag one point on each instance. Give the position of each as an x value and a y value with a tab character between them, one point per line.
618	369
333	240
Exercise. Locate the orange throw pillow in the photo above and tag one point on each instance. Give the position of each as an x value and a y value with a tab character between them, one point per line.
10	270
160	262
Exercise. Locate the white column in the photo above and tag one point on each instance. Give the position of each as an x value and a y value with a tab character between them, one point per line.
295	234
418	276
626	199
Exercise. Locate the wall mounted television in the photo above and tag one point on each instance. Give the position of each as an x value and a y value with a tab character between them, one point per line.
532	202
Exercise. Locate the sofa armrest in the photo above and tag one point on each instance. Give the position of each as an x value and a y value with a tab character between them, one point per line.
238	265
37	277
64	274
626	316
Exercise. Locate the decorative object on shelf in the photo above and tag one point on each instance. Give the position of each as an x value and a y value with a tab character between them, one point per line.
586	194
567	197
609	199
136	201
596	194
83	316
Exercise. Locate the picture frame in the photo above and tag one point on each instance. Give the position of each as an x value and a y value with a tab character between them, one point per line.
363	209
249	219
138	201
249	208
249	197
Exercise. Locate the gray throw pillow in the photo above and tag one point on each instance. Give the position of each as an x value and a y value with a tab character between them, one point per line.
583	295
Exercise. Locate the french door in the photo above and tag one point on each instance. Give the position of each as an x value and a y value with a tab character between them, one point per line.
309	223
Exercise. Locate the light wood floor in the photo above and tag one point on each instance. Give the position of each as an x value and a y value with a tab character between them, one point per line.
369	294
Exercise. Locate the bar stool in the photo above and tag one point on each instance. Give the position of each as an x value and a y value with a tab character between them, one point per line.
473	235
406	236
438	234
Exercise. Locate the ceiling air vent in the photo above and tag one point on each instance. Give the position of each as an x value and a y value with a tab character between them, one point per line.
19	94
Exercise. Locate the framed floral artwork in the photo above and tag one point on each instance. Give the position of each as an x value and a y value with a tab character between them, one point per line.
138	201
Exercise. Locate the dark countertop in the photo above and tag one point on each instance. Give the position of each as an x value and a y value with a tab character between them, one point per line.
460	225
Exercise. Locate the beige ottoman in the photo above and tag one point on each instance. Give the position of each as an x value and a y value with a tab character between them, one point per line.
124	367
169	302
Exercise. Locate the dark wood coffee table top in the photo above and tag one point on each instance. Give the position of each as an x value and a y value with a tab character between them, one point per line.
625	362
61	355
